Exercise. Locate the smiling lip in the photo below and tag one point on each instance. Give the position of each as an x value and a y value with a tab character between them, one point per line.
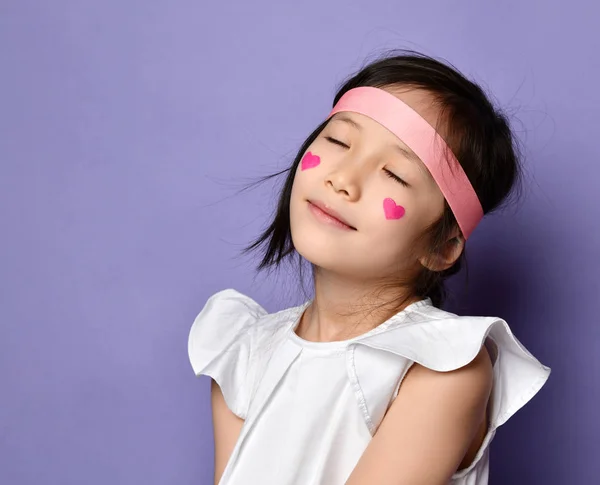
328	214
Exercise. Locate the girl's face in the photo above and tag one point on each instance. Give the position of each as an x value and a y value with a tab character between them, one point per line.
376	184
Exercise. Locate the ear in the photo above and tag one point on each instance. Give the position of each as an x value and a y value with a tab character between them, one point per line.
447	256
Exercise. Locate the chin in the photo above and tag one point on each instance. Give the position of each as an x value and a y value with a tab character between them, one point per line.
318	249
324	253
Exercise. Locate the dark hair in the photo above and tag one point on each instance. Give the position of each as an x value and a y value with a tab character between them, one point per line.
477	133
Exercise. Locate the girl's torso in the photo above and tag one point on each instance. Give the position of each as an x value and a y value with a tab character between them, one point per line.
311	408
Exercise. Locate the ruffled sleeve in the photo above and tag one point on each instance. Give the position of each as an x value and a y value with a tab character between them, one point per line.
378	363
220	344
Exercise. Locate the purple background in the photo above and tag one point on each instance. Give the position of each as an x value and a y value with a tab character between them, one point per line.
126	129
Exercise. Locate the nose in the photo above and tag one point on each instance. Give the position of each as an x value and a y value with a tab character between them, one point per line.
346	180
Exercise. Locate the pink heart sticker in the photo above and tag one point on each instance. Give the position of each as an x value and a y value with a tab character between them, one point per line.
309	161
392	211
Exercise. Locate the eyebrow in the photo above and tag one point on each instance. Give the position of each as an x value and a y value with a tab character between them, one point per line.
409	154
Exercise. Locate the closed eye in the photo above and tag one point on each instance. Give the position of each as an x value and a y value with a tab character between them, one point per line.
336	142
396	178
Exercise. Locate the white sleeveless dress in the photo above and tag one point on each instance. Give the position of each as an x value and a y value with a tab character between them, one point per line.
311	408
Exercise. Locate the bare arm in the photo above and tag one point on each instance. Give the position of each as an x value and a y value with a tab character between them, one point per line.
227	427
428	429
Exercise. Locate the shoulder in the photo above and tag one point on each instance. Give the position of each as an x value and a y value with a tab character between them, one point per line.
450	358
443	341
450	366
223	319
459	353
220	343
229	303
229	340
463	390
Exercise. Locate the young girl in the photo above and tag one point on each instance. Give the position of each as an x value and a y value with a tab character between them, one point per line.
370	382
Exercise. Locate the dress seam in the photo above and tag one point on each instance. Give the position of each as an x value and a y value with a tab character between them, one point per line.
357	389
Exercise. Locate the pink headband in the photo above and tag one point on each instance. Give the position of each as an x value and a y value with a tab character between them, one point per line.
425	142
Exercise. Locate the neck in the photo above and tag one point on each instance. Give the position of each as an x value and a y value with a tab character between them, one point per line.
344	308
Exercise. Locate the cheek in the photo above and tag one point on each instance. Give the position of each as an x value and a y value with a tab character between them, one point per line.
391	210
309	160
392	227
